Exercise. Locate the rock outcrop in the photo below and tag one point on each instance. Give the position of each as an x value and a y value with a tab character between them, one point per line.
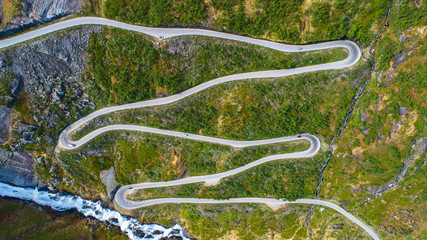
48	71
108	179
4	123
34	12
17	168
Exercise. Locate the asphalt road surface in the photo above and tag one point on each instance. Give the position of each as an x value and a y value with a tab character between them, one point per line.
65	142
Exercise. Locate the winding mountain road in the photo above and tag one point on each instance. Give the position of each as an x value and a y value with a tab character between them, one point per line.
66	143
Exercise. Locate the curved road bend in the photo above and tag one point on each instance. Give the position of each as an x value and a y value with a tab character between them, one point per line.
271	202
65	141
161	33
215	178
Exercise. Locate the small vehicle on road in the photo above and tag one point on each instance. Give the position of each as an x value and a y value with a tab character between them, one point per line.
300	48
71	145
298	136
186	135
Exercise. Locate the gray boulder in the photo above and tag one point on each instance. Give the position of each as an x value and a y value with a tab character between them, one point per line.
17	168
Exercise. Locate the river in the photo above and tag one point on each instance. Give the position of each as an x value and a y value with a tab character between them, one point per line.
60	202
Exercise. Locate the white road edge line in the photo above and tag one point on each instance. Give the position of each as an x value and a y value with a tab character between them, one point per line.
162	33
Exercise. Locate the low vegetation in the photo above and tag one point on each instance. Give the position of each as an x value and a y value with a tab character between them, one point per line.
250	221
139	157
295	21
387	120
368	156
9	9
389	114
128	67
287	179
254	109
399	211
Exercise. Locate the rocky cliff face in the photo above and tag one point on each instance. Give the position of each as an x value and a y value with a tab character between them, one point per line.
45	75
17	168
33	12
4	123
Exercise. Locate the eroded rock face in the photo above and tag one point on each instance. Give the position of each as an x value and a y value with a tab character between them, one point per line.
47	73
46	10
4	123
34	12
17	168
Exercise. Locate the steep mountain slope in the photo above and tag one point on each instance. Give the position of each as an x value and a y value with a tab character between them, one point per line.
377	166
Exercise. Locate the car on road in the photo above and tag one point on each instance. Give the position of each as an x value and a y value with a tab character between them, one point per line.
186	135
298	136
71	145
300	48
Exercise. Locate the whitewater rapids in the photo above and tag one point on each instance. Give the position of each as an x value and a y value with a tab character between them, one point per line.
129	226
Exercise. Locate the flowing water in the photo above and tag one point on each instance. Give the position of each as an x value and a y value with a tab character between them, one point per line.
129	226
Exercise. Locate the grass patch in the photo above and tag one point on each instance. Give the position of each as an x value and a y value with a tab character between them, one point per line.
372	149
297	21
127	67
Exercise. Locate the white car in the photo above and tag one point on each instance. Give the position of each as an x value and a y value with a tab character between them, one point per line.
300	48
71	145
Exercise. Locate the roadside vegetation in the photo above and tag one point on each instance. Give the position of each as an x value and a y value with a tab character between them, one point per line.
368	156
21	220
253	109
294	21
244	110
127	67
138	157
287	179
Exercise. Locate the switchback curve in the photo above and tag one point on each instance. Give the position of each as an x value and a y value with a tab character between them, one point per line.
66	143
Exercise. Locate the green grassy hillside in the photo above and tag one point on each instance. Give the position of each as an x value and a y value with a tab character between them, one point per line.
383	142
